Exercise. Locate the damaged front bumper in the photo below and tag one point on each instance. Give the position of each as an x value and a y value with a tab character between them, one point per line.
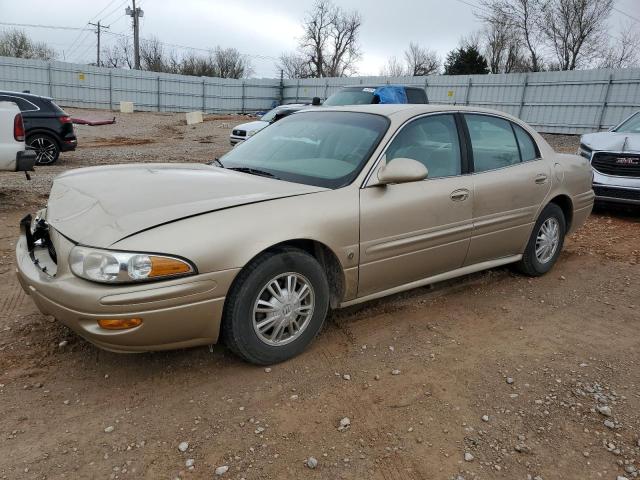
176	313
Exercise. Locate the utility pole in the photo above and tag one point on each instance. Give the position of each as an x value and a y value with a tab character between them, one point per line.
135	13
99	27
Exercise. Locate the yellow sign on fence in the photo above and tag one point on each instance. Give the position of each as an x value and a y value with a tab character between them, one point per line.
450	93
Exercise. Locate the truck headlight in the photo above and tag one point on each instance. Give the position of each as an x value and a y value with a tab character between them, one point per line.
585	151
108	266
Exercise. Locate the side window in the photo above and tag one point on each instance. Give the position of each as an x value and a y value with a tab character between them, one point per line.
528	149
416	95
432	141
23	104
492	141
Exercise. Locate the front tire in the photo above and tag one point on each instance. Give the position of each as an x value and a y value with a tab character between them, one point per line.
545	243
276	307
46	148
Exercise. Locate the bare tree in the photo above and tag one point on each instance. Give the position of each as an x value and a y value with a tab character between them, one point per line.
622	52
421	61
16	43
230	63
198	66
153	57
575	29
294	65
524	20
393	68
502	44
119	55
329	44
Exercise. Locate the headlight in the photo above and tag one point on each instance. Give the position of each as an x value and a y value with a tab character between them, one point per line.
585	151
108	266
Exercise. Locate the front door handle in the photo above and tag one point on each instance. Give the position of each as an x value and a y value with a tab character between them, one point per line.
541	178
459	195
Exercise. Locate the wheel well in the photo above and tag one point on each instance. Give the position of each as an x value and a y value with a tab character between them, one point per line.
329	262
48	133
565	204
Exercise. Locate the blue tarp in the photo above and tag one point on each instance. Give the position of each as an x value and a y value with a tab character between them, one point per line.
391	94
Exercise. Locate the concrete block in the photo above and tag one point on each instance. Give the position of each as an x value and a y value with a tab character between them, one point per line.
194	117
126	107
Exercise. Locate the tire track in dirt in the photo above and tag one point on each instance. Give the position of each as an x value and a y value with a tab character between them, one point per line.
14	300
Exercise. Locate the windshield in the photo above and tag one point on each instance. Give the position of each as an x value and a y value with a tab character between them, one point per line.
632	125
351	96
270	115
325	149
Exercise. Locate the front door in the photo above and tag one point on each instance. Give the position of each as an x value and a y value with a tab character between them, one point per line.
411	231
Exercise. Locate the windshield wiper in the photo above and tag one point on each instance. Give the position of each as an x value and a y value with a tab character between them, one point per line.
216	161
253	171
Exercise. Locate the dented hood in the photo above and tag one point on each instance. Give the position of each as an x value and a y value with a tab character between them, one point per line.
100	205
612	141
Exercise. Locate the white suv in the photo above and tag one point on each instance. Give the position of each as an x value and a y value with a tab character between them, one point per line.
13	156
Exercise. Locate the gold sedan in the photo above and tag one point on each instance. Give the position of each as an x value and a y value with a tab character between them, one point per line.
324	209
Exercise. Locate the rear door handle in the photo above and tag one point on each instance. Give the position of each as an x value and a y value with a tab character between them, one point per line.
459	195
541	178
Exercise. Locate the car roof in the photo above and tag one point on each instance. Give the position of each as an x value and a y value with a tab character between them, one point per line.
392	110
28	96
292	106
358	87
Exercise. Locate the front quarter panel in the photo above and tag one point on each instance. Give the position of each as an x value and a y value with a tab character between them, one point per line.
228	239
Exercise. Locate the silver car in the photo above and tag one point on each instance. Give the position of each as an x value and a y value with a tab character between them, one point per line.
615	158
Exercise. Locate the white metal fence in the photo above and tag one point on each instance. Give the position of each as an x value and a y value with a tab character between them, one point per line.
554	102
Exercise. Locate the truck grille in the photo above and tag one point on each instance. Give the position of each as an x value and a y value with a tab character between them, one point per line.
621	193
240	133
619	164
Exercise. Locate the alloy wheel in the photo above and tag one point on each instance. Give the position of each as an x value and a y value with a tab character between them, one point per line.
283	309
547	240
45	149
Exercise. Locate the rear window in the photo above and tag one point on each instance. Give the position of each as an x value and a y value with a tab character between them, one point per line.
351	96
416	95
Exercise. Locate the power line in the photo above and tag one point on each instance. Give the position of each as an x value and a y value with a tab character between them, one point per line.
116	10
187	47
101	11
636	19
33	25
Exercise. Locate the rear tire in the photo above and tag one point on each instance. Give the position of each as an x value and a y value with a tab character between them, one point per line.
276	307
545	243
46	148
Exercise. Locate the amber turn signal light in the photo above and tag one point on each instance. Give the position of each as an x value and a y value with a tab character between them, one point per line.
119	323
163	266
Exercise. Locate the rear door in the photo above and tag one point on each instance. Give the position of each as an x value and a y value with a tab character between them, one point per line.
510	183
411	231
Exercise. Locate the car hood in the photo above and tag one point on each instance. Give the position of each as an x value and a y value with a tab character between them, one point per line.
612	141
98	206
252	126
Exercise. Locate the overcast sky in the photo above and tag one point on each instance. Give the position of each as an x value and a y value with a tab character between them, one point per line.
262	28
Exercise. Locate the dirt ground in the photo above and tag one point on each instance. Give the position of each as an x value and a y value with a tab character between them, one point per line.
505	370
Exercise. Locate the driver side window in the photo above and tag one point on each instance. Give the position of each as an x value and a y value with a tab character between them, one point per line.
432	141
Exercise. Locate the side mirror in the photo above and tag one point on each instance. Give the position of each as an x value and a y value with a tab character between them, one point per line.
402	170
316	101
376	99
